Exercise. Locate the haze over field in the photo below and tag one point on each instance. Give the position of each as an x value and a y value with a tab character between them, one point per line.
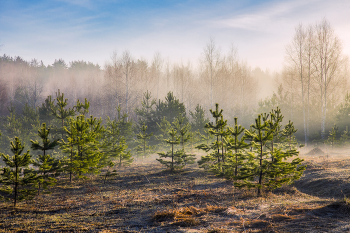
248	56
91	30
169	116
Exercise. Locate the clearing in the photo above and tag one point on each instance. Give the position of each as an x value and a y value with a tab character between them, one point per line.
146	198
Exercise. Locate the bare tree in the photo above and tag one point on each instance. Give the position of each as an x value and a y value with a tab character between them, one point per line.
327	63
232	69
156	67
126	63
309	58
315	65
112	74
210	62
295	56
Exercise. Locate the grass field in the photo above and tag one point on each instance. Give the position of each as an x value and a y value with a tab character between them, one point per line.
146	198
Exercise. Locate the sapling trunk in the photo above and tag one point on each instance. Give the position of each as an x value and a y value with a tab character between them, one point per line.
144	148
222	151
217	141
16	184
172	156
236	167
71	162
272	150
261	170
62	127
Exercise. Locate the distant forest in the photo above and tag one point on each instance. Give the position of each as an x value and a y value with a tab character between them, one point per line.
311	90
123	81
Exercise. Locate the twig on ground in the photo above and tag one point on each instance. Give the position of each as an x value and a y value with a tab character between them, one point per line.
147	179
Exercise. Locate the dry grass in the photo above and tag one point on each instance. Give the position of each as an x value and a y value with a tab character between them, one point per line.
145	198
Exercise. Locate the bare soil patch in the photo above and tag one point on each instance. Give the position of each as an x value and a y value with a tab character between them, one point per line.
316	151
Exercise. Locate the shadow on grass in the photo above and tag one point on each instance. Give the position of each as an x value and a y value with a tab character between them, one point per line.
323	186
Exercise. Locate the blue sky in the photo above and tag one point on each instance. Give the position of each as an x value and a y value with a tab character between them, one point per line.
91	30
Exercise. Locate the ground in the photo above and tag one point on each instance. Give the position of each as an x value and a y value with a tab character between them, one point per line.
147	198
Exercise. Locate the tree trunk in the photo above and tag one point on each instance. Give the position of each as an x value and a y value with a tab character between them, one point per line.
16	185
71	162
217	141
236	167
261	171
127	94
172	157
144	147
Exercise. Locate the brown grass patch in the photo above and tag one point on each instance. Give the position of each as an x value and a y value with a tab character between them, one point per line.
181	216
280	217
192	201
215	209
262	224
217	230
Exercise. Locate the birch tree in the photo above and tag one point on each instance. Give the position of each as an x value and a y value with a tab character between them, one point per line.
314	77
309	58
156	67
113	77
126	63
295	56
328	62
211	59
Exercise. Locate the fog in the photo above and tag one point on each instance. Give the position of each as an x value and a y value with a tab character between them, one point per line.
310	89
233	84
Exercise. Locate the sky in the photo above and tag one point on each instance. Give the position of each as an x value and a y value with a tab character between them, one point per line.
91	30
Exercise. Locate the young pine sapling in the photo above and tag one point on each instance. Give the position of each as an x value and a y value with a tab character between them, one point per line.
18	181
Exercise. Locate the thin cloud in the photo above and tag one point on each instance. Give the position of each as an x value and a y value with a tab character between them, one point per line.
258	18
82	3
71	30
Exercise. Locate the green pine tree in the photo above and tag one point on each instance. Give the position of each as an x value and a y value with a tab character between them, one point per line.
236	143
45	112
288	134
215	160
263	135
30	119
206	137
145	112
183	129
82	108
198	120
143	139
69	147
60	110
18	181
275	120
281	171
114	145
169	109
344	138
13	124
47	144
259	170
125	126
48	166
195	138
332	138
198	132
83	146
164	127
176	161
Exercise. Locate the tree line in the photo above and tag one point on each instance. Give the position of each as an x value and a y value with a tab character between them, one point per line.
309	89
82	145
124	78
263	156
